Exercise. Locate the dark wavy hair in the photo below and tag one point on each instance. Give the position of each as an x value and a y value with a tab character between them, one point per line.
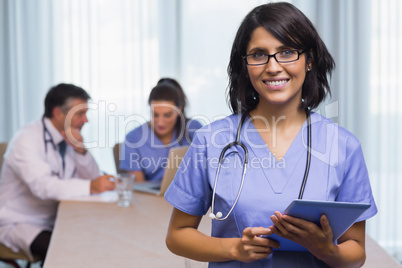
169	89
291	27
58	96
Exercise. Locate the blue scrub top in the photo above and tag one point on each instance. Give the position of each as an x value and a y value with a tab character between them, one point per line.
144	151
338	173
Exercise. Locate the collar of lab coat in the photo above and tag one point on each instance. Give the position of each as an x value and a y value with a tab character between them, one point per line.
56	135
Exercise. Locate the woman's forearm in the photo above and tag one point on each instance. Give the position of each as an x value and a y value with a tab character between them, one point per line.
191	243
345	255
350	252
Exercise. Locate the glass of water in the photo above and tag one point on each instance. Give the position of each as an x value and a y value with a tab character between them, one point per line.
124	186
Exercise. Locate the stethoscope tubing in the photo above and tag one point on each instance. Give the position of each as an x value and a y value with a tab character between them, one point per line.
308	161
237	142
46	131
221	157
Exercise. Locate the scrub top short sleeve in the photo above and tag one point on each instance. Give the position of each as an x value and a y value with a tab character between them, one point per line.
190	191
136	139
356	186
144	151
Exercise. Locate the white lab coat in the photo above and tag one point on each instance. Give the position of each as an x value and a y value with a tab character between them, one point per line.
33	181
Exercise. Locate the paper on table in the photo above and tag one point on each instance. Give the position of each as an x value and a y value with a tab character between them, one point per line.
106	197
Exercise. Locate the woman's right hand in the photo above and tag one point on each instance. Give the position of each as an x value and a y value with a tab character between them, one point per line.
253	246
184	239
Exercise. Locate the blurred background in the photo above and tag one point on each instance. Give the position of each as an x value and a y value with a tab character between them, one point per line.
118	49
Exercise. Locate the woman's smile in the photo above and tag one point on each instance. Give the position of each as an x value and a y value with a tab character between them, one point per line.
276	84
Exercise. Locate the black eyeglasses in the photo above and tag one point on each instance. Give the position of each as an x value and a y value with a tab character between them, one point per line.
283	56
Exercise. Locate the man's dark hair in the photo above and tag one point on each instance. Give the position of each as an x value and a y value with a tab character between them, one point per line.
59	95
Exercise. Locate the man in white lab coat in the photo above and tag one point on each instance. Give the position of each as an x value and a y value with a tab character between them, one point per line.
46	162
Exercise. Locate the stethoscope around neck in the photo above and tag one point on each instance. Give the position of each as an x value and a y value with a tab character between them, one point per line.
51	141
47	132
237	142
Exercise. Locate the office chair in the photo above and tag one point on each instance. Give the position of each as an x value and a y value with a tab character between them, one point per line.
3	147
10	257
116	155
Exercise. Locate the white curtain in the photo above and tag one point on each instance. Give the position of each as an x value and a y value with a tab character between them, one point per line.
365	38
111	49
383	139
27	63
118	49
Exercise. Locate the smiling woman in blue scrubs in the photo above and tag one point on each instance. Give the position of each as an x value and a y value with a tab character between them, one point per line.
278	73
146	148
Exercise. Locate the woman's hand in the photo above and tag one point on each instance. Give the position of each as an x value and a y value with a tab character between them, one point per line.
318	240
349	252
185	240
253	246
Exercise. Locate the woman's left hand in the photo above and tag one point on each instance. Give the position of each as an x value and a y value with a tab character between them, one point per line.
318	240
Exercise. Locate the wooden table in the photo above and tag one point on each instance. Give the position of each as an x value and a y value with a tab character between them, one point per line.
96	234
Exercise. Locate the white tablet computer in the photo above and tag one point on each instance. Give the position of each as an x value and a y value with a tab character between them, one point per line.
341	215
